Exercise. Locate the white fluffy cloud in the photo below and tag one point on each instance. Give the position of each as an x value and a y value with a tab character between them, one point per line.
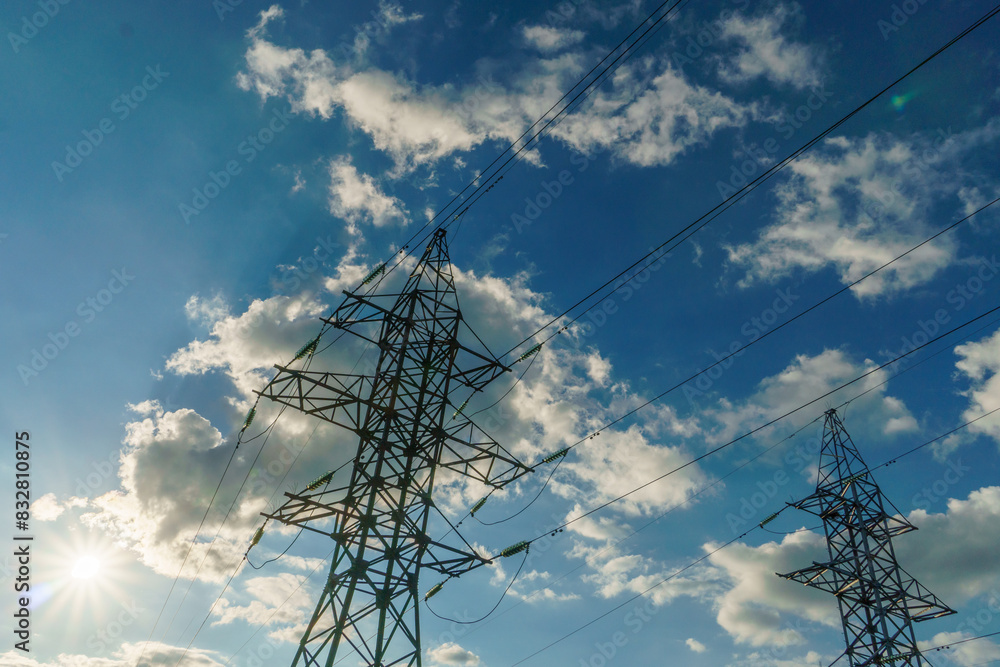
152	653
548	38
357	198
695	645
650	120
967	654
763	50
951	554
171	462
648	114
46	508
854	204
809	377
451	653
954	553
247	345
751	606
279	600
980	364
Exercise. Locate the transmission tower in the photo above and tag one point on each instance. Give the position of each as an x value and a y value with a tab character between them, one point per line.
406	433
879	601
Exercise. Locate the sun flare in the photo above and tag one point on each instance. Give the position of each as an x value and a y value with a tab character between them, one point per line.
86	567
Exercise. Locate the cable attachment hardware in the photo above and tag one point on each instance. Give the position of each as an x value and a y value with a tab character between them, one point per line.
558	455
478	506
319	481
769	519
256	538
249	419
515	549
307	350
435	589
374	274
530	352
460	408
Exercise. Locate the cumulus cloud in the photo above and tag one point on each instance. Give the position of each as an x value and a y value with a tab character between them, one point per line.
695	645
751	606
857	203
650	120
128	655
762	50
951	554
967	654
808	377
206	311
170	464
245	346
451	653
280	601
648	114
980	366
357	198
47	508
548	38
617	462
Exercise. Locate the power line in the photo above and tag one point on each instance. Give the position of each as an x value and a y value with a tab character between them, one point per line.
639	595
715	211
239	440
520	145
719	448
725	358
930	442
772	331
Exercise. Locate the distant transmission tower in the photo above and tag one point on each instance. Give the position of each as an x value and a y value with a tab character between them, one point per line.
878	600
406	433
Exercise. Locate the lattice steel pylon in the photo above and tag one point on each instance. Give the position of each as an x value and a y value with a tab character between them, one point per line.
406	432
879	601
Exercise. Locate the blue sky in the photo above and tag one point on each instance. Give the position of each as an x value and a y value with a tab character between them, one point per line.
186	188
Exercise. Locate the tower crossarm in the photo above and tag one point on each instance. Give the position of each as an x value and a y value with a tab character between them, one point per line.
842	512
338	398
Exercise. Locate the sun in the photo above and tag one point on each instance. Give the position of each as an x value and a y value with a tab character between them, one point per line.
86	567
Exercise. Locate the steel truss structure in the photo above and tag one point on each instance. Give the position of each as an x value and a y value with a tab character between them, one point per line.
407	431
879	601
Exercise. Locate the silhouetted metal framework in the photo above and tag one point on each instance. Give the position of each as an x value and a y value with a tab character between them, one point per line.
878	600
406	432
